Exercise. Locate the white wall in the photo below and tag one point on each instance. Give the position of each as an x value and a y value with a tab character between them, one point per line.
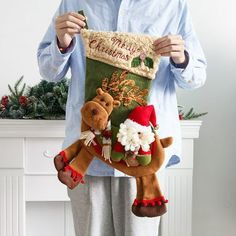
214	194
22	24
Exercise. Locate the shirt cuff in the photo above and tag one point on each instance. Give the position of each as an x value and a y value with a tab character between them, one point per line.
58	56
181	65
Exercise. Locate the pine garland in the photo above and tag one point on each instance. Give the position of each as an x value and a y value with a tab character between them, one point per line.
46	100
190	114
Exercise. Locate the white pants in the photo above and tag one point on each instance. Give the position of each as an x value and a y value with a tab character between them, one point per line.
102	207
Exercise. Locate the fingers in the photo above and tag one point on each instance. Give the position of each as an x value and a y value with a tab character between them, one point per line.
77	15
71	16
168	38
170	46
72	20
169	41
67	26
172	54
70	31
169	50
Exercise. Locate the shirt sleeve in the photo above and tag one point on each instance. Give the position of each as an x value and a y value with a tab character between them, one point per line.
53	65
194	74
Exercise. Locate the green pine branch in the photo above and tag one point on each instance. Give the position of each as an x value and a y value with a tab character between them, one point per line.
45	100
194	115
190	114
17	84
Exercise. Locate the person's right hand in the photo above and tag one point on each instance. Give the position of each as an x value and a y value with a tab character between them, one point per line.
67	26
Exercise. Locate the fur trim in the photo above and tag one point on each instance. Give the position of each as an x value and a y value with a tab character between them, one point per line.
120	49
137	126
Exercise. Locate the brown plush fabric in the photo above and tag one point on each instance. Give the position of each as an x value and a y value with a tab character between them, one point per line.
148	188
138	171
95	114
73	150
81	162
123	65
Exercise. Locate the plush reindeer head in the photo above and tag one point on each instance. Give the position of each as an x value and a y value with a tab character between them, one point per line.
95	113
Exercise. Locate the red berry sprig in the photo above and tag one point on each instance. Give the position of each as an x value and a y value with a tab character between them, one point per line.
4	101
181	116
23	100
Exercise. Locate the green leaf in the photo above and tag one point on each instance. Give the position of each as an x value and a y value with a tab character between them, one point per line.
46	100
196	115
11	90
148	62
62	88
189	113
22	90
136	62
17	84
13	99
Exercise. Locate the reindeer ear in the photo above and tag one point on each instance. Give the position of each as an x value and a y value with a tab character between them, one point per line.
99	91
116	103
166	142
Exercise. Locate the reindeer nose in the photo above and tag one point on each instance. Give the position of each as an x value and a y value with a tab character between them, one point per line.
94	111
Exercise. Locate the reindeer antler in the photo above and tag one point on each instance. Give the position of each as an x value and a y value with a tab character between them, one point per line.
124	90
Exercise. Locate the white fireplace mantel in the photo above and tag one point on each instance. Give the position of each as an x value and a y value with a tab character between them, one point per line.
29	186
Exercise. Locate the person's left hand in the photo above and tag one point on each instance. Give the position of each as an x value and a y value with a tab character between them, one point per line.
171	46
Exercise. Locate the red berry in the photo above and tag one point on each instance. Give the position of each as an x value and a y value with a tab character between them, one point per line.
4	101
23	100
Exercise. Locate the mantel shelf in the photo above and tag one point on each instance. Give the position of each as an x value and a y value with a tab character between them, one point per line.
25	169
56	128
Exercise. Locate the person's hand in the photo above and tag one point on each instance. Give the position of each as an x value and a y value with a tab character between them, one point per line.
171	46
67	26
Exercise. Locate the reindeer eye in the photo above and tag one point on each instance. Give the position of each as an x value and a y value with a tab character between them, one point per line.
107	104
102	100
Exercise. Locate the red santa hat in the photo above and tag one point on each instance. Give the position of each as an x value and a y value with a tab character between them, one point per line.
141	117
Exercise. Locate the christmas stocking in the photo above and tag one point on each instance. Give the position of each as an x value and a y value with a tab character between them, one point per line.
118	125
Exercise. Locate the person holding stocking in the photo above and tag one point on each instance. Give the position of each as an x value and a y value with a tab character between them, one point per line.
101	206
